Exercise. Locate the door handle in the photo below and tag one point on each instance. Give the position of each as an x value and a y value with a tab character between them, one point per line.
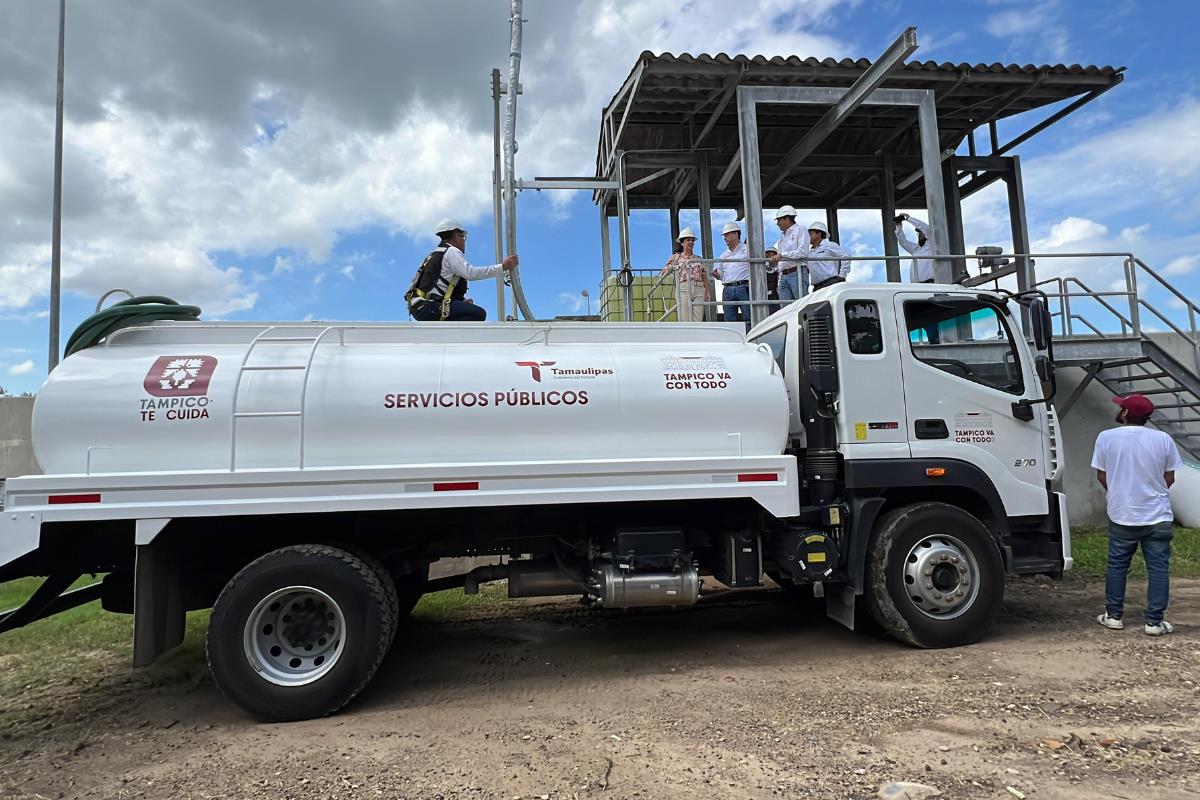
932	429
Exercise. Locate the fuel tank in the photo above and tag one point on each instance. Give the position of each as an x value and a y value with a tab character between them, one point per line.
171	397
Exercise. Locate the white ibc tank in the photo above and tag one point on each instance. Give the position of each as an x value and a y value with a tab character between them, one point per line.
1185	495
162	398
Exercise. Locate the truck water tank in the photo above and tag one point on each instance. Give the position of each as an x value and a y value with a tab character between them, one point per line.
162	398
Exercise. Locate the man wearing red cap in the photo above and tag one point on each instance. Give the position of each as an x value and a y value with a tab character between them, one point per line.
1136	465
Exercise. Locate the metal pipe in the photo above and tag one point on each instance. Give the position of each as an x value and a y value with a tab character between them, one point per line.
497	195
56	228
510	152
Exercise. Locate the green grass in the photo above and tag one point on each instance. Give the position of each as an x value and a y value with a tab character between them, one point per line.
1089	546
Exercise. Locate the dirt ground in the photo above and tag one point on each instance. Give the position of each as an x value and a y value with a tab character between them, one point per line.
741	697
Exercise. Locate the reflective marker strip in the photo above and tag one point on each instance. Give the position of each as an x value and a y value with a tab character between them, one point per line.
757	477
66	499
462	486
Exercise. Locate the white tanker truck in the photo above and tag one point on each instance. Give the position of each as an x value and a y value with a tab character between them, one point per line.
880	446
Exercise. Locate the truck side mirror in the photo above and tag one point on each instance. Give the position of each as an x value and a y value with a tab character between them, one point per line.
1041	322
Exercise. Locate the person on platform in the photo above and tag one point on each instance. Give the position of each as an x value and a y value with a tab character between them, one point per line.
734	275
691	278
1136	466
921	250
438	292
793	246
825	272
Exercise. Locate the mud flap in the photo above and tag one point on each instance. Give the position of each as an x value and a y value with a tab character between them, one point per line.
158	609
839	604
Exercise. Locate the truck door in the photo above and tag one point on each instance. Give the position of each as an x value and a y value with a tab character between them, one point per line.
963	370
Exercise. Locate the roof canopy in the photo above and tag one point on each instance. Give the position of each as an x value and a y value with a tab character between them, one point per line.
687	103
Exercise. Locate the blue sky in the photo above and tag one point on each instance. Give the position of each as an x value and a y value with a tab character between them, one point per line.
260	193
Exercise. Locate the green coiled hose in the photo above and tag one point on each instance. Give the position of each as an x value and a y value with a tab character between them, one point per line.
127	314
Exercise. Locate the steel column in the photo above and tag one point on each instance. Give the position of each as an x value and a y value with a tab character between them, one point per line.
704	199
674	215
752	200
956	239
1026	279
605	241
935	202
831	219
887	213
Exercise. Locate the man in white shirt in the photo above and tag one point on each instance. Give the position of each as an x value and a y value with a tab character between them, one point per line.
792	245
821	249
1136	465
921	250
734	275
439	289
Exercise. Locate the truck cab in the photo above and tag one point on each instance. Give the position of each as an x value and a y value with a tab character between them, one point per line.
926	397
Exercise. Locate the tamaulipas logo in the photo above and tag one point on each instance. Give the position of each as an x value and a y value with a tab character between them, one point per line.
563	373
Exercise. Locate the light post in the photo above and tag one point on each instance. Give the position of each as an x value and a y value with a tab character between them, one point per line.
586	296
56	230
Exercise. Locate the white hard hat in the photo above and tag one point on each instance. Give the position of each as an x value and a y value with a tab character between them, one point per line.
686	233
817	225
448	224
731	227
771	249
785	211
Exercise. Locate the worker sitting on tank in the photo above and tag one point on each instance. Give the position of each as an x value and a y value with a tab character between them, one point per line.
439	289
825	272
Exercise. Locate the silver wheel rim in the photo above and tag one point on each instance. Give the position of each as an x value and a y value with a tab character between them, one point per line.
941	577
294	635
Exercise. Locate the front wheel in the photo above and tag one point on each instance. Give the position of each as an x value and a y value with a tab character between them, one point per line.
935	576
299	632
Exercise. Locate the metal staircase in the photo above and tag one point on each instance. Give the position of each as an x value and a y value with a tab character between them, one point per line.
1117	351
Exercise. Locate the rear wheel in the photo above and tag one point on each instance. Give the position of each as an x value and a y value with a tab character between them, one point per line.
299	632
935	576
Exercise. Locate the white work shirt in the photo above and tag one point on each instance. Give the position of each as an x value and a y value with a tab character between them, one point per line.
793	243
922	266
455	263
1134	459
824	270
733	270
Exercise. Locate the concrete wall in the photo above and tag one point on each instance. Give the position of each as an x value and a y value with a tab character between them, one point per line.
16	449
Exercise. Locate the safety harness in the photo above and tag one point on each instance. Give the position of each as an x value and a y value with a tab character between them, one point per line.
431	284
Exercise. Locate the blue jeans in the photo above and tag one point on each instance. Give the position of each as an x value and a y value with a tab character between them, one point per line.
1123	541
460	311
732	294
789	287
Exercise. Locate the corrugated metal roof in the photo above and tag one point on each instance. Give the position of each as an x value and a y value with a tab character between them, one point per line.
863	63
676	96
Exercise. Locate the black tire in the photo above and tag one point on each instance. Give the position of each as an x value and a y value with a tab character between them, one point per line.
390	591
410	588
366	616
903	541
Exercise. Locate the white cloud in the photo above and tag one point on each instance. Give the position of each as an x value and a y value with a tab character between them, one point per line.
1184	265
574	303
1134	235
1070	231
347	272
1038	21
23	368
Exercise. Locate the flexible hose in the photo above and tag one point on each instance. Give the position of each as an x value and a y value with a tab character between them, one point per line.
126	314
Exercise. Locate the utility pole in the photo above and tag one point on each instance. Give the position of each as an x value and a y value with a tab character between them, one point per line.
56	232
